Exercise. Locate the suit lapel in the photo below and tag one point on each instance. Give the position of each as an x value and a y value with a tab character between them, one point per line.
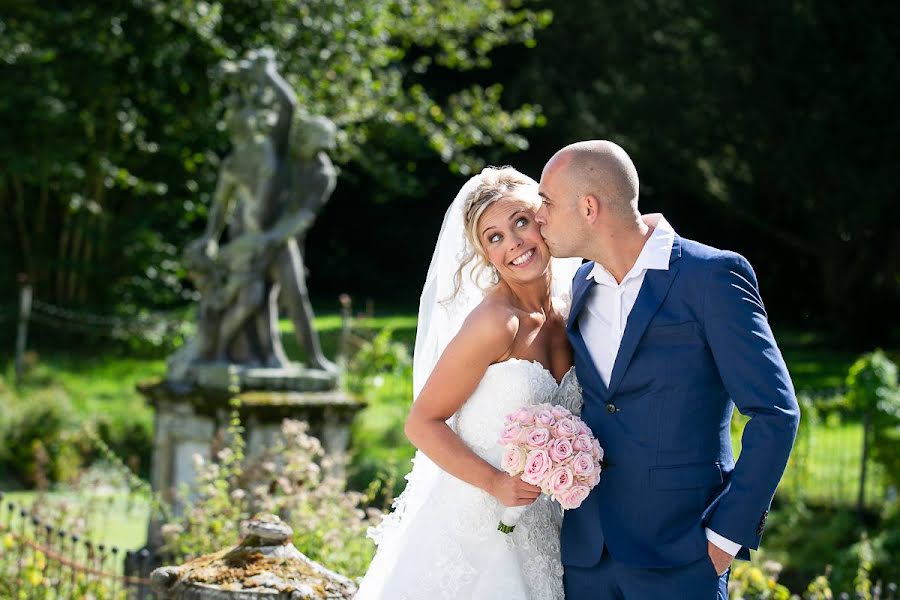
580	291
650	298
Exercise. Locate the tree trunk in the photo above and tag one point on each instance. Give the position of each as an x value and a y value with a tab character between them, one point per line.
22	225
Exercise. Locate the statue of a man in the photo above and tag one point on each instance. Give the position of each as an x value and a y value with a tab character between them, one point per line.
303	185
270	187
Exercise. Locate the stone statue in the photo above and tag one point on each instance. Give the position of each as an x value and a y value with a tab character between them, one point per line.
270	188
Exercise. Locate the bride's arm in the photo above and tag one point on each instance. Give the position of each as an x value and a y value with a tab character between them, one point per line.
485	337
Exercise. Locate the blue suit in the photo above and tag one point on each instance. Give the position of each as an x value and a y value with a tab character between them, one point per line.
697	342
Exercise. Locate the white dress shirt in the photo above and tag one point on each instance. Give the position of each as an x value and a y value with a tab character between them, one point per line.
604	316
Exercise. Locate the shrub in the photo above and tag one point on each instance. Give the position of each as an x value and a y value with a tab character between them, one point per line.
292	479
752	581
381	372
39	445
129	436
873	389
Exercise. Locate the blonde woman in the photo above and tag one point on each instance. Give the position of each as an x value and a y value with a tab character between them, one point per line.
491	338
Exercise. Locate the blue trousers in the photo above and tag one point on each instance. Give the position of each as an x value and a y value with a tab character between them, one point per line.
611	580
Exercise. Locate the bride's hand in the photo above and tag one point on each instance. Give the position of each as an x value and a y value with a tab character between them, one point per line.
512	491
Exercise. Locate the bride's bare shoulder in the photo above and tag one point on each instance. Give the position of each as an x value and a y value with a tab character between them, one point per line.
494	317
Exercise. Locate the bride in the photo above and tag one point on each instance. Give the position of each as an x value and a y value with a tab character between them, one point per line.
491	338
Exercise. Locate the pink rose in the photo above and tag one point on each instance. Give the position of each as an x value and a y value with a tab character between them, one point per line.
537	464
513	460
583	429
574	496
582	443
523	434
590	480
560	450
544	417
566	428
583	465
523	416
510	434
560	480
537	437
596	450
560	412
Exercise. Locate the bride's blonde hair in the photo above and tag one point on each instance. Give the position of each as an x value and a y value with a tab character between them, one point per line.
495	184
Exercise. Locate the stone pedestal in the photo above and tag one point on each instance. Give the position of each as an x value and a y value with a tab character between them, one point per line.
188	417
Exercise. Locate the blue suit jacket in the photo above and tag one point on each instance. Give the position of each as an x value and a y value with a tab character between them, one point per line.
696	343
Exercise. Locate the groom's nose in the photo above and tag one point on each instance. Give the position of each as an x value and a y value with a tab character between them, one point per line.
539	217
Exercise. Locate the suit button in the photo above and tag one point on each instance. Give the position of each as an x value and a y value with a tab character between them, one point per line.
611	408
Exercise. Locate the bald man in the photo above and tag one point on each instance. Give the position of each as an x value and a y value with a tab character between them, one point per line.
668	335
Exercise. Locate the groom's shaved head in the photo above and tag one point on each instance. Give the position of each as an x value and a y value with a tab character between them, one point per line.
602	169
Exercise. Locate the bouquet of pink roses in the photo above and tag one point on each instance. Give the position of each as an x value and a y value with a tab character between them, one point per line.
553	449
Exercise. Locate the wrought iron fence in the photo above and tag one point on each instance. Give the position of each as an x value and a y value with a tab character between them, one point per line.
41	561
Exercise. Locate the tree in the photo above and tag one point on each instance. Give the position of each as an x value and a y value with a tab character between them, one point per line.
774	118
112	112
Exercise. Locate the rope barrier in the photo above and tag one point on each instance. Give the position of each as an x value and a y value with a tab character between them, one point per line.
49	553
51	315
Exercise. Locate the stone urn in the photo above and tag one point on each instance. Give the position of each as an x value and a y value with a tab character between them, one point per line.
264	566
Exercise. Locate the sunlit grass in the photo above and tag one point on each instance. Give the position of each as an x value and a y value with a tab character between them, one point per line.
110	517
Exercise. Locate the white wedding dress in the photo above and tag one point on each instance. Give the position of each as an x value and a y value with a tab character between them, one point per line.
441	540
450	548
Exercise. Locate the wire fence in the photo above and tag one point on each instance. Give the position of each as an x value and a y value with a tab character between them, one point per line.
152	325
829	468
41	561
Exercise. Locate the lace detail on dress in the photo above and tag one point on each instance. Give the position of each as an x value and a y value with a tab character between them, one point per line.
480	420
569	394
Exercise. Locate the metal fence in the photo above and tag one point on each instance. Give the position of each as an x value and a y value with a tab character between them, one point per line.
830	465
42	562
833	467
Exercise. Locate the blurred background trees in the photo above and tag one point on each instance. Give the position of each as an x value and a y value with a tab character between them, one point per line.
764	128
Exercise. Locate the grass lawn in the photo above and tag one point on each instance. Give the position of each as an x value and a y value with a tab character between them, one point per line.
104	383
92	384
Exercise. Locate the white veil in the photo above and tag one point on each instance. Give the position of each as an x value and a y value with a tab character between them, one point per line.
441	314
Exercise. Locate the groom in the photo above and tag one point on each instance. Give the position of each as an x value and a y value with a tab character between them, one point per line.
668	336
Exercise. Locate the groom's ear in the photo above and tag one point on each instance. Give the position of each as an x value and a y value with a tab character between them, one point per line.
590	208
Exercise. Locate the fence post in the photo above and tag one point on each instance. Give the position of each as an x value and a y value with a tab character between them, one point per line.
22	329
346	325
861	498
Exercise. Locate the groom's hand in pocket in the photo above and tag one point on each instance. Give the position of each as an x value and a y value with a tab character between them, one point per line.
512	491
721	560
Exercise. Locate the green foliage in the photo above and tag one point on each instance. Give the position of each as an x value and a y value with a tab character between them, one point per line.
292	479
853	551
728	109
38	443
113	112
872	385
886	545
381	372
376	359
872	388
819	589
750	581
95	391
214	509
35	576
